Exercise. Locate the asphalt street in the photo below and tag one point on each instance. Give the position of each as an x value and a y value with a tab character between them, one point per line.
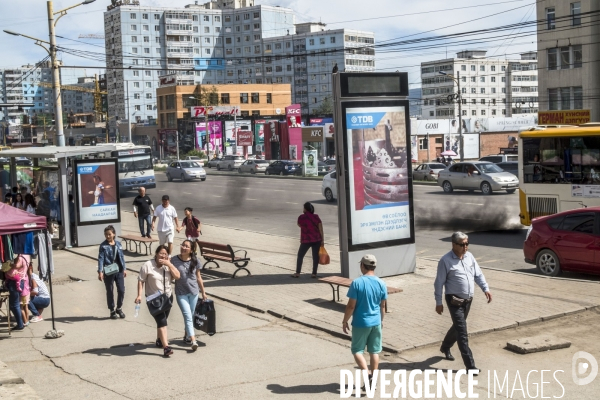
272	205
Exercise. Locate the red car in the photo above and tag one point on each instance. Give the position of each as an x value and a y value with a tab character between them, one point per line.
567	241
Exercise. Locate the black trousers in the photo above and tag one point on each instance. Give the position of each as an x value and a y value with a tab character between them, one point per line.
315	246
109	283
458	332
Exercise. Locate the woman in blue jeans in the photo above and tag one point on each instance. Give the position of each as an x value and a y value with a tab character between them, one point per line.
188	286
111	251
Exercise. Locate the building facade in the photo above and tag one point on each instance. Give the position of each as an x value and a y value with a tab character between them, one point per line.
568	46
489	87
231	42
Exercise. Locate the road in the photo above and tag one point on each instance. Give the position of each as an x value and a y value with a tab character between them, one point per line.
271	205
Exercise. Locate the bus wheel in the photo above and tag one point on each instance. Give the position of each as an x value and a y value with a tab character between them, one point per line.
169	178
548	263
486	188
511	191
447	186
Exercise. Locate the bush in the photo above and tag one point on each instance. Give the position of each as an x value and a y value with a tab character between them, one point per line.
196	153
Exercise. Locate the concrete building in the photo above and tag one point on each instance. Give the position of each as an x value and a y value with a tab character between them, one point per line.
230	42
489	87
569	49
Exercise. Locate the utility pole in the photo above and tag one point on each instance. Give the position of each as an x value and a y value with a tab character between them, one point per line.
460	129
129	114
60	135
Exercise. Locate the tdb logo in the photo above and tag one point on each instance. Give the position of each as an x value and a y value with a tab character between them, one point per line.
86	169
362	119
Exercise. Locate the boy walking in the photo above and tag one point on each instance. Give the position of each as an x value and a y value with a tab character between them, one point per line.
193	226
366	306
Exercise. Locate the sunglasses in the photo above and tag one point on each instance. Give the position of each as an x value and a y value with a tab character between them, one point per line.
462	244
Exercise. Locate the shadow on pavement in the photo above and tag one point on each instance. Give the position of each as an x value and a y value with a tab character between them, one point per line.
509	239
70	320
329	387
126	350
328	304
266	280
420	365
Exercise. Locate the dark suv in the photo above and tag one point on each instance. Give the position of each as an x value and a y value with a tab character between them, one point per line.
283	167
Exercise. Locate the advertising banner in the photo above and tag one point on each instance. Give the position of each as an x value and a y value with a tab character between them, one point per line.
259	130
502	124
231	130
294	116
378	174
310	163
567	117
200	135
293	152
215	136
203	111
97	190
585	191
244	138
471	144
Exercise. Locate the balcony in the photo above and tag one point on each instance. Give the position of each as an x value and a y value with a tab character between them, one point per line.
173	43
178	54
179	32
179	66
178	21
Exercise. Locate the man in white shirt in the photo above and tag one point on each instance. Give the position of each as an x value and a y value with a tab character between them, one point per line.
166	215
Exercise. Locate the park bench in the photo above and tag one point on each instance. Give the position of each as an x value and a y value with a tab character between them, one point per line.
338	281
138	241
213	252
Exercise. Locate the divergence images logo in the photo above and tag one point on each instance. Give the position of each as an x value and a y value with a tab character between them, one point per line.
580	367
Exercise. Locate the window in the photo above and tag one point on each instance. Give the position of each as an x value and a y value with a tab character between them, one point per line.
565	98
564	57
473	68
195	18
580	222
156	28
227	18
311	42
149	107
578	98
148	73
463	90
493	79
134	27
137	108
146	50
503	68
206	40
482	90
473	79
132	16
255	98
482	79
145	27
136	73
257	15
148	84
144	16
463	67
482	67
474	113
322	41
136	84
463	78
493	112
473	90
493	68
134	39
156	16
551	17
431	114
244	98
148	95
482	112
224	98
577	56
136	96
134	50
553	99
206	18
423	144
576	13
195	29
503	79
493	90
146	39
483	101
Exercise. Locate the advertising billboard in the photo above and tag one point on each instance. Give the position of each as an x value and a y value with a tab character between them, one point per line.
310	162
203	111
231	129
97	191
567	117
378	150
244	138
293	152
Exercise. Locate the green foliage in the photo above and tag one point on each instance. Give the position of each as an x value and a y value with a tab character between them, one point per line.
207	96
195	153
325	108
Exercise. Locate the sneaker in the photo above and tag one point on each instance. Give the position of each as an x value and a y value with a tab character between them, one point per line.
159	343
113	315
194	345
25	324
36	319
120	312
187	340
167	351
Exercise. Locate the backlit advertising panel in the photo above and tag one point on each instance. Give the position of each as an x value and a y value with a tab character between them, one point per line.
231	129
378	149
310	163
97	191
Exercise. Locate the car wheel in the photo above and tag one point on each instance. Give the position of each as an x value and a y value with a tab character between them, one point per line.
203	179
229	167
239	170
267	172
252	171
486	188
182	177
511	191
547	263
169	178
447	186
218	167
281	173
328	195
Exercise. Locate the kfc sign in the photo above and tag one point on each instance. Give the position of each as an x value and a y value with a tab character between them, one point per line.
244	138
202	111
294	116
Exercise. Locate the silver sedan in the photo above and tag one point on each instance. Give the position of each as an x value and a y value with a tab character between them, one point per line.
477	175
428	171
185	170
253	166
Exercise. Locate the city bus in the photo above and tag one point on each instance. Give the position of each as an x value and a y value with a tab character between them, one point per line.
135	166
559	170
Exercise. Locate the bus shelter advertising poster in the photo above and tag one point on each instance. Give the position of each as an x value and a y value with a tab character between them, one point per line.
97	191
310	163
378	174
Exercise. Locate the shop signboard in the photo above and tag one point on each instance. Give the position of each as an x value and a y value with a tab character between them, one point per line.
244	138
202	111
294	116
566	117
312	134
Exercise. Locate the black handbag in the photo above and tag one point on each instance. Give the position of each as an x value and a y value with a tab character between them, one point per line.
205	318
162	303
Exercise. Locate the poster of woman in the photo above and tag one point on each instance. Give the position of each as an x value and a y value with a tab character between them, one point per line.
97	194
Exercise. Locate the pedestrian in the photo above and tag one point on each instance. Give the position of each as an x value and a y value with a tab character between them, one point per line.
15	286
311	237
143	210
157	275
30	203
8	199
111	252
15	190
193	226
40	298
187	287
19	202
367	296
166	215
458	272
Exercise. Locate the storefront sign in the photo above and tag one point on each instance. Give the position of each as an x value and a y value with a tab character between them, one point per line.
167	80
567	117
244	138
312	134
294	116
202	111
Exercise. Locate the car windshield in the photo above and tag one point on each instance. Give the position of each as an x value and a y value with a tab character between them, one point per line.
261	162
489	168
437	166
190	164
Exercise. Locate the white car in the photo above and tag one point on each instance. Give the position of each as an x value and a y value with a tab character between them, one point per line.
329	186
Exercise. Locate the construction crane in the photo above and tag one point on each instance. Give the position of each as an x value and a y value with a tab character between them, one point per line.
96	91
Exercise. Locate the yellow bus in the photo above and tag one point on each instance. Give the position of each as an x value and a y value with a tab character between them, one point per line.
559	170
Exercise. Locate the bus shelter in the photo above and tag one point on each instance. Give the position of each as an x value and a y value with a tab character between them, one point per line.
61	154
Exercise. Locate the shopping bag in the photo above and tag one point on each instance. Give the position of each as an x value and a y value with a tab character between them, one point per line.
205	318
323	256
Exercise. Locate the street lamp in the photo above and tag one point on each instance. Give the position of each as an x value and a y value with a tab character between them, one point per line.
458	97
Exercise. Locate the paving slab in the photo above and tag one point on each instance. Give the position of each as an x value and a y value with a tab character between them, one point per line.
536	344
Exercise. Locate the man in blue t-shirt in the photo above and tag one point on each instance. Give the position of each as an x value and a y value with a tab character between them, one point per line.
366	306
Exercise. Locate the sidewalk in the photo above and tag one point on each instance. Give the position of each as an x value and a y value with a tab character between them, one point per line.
519	298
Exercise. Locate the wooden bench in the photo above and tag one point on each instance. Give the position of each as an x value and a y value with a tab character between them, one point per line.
345	282
130	240
213	252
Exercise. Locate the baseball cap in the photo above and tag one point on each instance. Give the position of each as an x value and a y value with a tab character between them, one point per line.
369	259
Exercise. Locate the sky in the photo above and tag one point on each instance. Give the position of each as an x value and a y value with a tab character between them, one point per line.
390	20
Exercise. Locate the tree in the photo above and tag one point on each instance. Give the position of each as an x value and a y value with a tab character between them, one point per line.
207	96
325	108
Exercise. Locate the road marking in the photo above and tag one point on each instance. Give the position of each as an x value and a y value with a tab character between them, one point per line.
252	199
278	190
422	251
489	261
185	193
475	204
291	203
217	196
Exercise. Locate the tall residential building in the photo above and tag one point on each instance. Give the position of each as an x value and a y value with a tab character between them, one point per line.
569	48
489	87
222	42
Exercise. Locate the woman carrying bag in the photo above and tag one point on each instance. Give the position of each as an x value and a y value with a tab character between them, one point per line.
157	275
111	270
187	287
311	237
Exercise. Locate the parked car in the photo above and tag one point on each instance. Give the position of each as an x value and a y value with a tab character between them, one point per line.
253	166
18	161
510	166
566	241
329	186
185	170
427	171
497	158
213	163
477	175
329	161
230	163
283	167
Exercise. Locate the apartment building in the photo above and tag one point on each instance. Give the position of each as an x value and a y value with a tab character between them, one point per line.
230	42
569	49
489	87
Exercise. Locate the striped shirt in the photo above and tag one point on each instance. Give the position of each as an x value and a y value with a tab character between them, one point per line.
42	288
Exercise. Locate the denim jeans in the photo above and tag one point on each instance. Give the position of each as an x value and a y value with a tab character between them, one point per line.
187	304
148	220
458	332
37	305
14	302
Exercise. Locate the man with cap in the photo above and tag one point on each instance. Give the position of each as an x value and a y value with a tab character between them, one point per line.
366	306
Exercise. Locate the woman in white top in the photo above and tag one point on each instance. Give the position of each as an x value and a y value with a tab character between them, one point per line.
157	275
30	203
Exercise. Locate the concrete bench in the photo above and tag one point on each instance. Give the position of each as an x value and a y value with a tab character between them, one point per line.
213	252
336	281
138	241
